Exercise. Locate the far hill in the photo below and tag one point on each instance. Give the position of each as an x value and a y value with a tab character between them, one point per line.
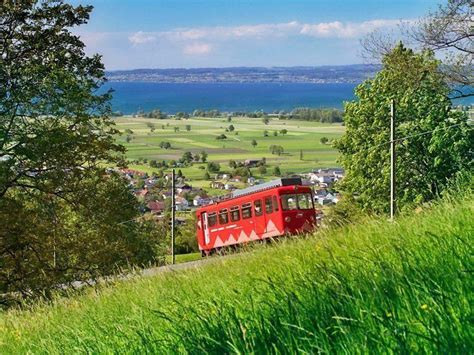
323	74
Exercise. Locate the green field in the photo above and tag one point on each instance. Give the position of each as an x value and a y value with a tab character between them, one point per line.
377	287
302	135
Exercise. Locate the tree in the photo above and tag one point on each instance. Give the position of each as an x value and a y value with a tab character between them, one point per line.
151	126
231	128
176	129
188	127
165	145
439	137
254	143
187	157
301	154
284	131
265	120
276	171
221	137
262	170
232	164
275	133
265	133
213	167
448	32
207	176
324	140
53	124
204	156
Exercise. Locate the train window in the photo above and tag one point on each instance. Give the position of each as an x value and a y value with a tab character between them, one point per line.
223	216
268	205
246	210
258	207
275	203
304	201
234	214
288	202
212	219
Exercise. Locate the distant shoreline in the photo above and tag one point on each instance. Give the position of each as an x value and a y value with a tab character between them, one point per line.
312	75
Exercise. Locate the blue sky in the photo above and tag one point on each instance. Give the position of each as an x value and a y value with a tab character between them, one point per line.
221	33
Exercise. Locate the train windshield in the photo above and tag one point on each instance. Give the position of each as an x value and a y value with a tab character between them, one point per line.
300	201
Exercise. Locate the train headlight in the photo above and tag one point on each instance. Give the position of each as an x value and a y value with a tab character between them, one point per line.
287	219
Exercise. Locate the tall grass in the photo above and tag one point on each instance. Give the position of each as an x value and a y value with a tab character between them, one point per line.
373	287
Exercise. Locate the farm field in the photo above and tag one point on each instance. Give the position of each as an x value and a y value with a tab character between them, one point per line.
373	287
302	135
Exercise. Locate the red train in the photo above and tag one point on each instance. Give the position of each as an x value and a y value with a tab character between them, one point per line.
280	207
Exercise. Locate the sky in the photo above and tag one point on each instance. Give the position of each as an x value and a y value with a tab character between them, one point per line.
132	34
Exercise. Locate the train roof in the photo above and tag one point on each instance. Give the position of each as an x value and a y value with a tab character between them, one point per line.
258	188
267	185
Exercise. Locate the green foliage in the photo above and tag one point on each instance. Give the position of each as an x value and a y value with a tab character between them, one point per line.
276	171
165	145
61	215
276	149
254	143
156	113
323	115
425	162
324	140
90	231
213	167
374	288
262	170
204	156
221	137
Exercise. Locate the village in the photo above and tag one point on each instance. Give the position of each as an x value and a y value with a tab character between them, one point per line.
154	191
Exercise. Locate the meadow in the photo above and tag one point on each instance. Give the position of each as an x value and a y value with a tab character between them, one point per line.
301	136
371	287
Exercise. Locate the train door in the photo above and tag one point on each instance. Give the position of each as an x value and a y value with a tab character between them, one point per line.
259	217
205	228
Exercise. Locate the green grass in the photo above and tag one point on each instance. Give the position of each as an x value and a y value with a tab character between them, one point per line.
302	135
374	287
184	258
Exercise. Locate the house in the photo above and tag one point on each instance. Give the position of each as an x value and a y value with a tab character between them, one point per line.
156	207
182	188
237	179
141	193
181	204
251	162
200	201
217	185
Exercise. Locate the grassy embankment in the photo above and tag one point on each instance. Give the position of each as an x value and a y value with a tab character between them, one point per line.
302	135
376	286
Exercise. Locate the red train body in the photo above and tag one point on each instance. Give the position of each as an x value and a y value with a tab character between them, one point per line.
279	207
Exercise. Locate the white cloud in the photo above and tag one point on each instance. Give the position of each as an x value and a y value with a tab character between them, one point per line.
334	29
197	49
141	38
346	30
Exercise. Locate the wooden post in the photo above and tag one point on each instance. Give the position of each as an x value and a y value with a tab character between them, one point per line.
173	210
392	161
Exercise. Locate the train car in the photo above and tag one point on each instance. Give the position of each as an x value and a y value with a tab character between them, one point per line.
279	207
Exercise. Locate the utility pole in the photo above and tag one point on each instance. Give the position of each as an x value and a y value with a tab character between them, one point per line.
173	210
392	160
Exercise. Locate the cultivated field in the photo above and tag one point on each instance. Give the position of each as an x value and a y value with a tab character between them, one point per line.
377	287
302	135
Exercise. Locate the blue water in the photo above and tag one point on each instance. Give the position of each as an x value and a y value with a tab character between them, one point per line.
129	97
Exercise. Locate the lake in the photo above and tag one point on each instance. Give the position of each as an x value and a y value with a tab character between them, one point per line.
129	97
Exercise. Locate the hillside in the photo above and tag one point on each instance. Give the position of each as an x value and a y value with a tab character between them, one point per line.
371	287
